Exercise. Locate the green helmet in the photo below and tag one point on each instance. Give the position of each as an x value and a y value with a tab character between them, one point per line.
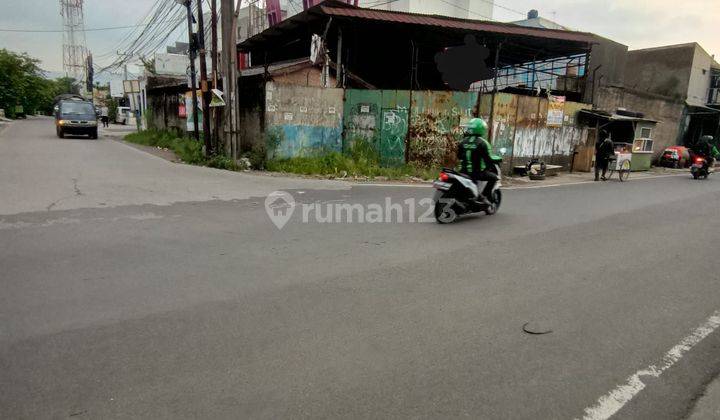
477	127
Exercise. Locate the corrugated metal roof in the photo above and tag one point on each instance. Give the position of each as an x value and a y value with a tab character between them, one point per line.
454	23
616	117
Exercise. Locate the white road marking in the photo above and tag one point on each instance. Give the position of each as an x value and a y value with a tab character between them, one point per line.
528	187
613	401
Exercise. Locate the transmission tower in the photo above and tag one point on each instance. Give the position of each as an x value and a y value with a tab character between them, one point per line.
74	50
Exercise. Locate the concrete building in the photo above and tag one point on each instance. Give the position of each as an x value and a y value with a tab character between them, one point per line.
685	73
464	9
605	65
682	71
535	21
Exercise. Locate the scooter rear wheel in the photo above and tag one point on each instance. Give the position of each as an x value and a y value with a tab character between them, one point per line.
444	212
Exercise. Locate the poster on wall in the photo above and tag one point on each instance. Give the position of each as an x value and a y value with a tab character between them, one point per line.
556	111
182	109
190	122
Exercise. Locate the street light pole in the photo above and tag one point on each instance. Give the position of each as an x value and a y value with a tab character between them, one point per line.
191	54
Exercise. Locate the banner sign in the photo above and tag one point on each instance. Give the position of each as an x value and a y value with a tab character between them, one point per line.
556	111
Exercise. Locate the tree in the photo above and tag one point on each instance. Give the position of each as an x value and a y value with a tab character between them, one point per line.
148	64
66	85
23	83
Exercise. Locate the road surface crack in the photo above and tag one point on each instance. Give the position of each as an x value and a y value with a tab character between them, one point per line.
76	190
75	187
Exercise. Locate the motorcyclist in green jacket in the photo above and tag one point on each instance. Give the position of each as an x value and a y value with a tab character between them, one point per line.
475	157
705	148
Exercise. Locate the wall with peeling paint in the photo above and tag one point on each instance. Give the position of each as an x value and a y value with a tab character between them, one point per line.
420	127
308	119
435	125
520	125
429	120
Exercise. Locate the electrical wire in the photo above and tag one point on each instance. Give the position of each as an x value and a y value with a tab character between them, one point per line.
381	3
109	28
467	10
157	30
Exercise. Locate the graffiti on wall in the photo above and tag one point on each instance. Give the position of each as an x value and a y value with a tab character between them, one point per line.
392	136
309	119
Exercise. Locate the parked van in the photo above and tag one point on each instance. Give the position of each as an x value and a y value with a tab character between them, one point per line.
75	117
122	115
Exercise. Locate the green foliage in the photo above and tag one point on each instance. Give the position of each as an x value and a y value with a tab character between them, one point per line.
222	162
112	104
149	119
273	139
66	85
148	64
362	160
22	83
187	149
257	156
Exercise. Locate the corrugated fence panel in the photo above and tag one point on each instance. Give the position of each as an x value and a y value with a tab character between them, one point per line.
503	133
526	128
435	125
573	135
362	111
484	106
379	117
545	137
309	119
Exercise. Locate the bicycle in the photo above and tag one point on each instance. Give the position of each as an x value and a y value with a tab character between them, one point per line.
622	167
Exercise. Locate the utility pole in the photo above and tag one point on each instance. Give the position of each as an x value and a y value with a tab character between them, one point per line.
191	55
215	111
204	82
229	70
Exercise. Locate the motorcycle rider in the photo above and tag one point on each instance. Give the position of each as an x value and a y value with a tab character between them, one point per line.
706	149
474	156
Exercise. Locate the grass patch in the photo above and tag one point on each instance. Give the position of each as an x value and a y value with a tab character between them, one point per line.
360	162
188	150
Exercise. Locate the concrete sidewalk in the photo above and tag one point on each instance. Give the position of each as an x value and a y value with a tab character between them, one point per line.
566	178
116	130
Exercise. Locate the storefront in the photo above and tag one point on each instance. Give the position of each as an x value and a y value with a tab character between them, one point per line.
627	130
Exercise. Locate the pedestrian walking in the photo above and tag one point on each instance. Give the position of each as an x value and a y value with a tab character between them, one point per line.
604	148
104	112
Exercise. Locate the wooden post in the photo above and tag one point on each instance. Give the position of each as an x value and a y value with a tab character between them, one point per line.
338	60
204	82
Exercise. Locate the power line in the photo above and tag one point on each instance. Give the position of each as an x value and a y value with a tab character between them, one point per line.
381	3
110	28
154	34
467	10
505	7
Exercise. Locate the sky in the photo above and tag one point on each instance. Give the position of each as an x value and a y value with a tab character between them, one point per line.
636	23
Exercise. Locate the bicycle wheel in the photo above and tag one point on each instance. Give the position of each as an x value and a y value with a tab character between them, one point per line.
624	172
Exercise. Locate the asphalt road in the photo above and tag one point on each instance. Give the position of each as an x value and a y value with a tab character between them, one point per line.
132	287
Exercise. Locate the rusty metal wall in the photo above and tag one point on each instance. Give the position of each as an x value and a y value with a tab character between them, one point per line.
504	124
430	120
435	125
526	127
574	136
520	126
